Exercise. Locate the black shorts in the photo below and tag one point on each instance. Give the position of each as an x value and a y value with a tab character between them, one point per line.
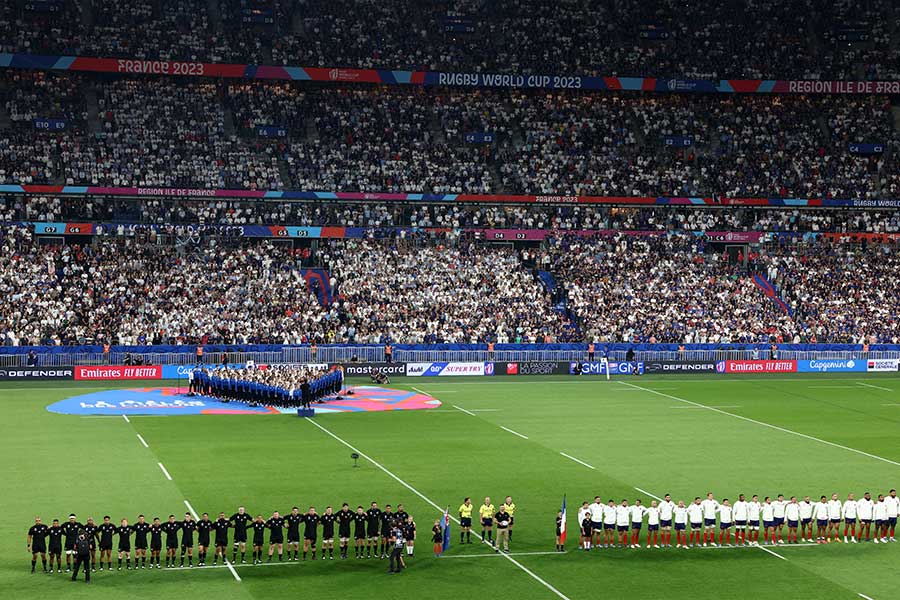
171	544
105	546
140	545
155	546
328	535
465	521
186	545
35	548
373	533
360	535
203	542
124	547
487	522
293	538
310	537
258	541
55	549
240	536
70	545
221	542
276	540
344	533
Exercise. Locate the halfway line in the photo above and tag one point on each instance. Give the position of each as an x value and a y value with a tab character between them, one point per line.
166	473
436	507
764	549
524	437
191	508
648	493
770	426
576	460
126	418
143	441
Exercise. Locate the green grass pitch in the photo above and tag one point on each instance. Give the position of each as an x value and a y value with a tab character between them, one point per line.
799	435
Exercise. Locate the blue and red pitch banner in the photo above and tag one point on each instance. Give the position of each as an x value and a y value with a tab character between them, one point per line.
474	80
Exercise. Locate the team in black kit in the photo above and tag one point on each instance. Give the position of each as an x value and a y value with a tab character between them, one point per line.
375	533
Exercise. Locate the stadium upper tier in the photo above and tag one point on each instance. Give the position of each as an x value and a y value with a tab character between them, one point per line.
676	288
777	39
213	134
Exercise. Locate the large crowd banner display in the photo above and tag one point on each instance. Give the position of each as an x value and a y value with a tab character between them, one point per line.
434	78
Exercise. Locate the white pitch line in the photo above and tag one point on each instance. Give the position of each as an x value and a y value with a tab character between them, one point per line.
499	554
832	387
524	437
648	493
692	407
231	568
863	596
894	404
769	425
764	549
576	460
875	387
191	508
468	412
531	573
126	418
143	441
166	473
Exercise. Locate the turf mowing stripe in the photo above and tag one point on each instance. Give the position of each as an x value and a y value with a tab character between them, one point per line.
691	407
191	508
126	418
438	508
874	387
524	437
764	424
166	473
648	493
143	441
468	412
493	554
578	461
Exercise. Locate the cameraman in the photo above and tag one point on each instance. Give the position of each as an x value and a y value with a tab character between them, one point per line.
82	556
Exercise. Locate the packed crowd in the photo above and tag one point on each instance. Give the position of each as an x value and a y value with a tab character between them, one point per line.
799	39
123	291
669	288
261	135
377	215
439	294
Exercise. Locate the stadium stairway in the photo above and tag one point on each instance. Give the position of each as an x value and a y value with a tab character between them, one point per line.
766	287
323	290
548	280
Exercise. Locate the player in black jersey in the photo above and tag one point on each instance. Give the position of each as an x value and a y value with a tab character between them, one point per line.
221	526
387	518
344	518
141	529
91	530
275	525
241	521
204	527
106	531
409	534
360	520
373	529
171	529
293	521
327	521
70	531
124	530
54	537
401	515
188	527
259	533
36	542
155	542
310	531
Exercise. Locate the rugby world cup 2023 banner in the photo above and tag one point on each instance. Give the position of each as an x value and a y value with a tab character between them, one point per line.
432	78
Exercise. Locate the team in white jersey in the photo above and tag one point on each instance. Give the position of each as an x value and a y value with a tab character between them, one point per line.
621	524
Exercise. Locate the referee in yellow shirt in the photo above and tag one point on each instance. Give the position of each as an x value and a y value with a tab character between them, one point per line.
465	521
486	512
511	509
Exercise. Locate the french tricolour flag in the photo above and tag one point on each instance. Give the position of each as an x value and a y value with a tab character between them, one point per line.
562	524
